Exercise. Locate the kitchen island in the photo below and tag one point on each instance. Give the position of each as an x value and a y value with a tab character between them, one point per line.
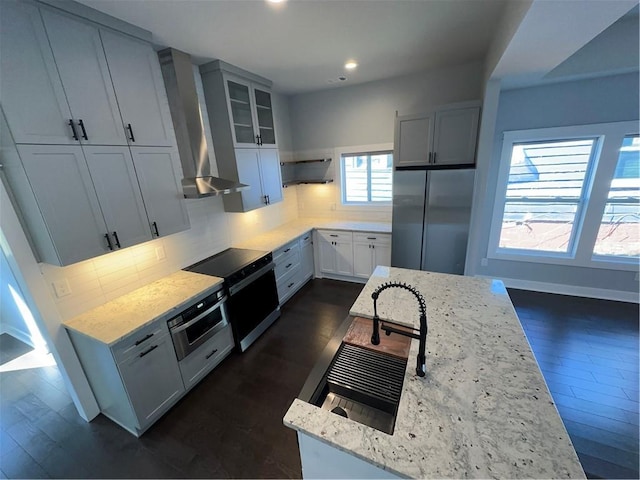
483	409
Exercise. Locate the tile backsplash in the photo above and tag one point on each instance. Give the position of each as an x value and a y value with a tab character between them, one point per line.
99	280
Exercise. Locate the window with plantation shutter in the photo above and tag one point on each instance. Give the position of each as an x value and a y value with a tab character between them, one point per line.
366	178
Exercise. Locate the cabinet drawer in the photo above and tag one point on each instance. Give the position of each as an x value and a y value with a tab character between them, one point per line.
139	341
377	238
288	284
195	366
288	262
305	239
335	235
285	249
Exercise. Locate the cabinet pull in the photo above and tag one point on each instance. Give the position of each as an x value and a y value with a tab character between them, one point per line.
268	200
372	238
115	236
291	284
434	157
84	132
74	134
257	139
333	235
288	265
306	238
133	139
106	235
287	250
142	340
429	160
151	349
155	229
211	354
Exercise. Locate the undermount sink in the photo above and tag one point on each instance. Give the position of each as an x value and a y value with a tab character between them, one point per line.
363	385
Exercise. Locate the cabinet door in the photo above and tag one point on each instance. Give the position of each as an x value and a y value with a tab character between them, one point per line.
30	88
152	380
248	162
241	112
413	140
344	257
271	175
67	200
116	185
306	260
362	259
264	116
159	178
327	255
137	79
455	136
85	76
381	255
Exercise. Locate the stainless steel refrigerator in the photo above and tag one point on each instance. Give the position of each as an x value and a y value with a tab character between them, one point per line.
431	214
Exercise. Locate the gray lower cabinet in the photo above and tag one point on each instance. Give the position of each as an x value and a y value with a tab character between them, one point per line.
294	266
195	366
136	380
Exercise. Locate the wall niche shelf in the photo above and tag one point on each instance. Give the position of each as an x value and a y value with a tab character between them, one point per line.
304	172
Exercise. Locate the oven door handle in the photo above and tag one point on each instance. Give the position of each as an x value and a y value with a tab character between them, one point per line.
244	283
184	326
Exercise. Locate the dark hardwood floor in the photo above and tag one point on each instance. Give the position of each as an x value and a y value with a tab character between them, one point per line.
587	350
230	425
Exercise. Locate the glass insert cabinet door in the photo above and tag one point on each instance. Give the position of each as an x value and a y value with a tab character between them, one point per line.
241	116
264	115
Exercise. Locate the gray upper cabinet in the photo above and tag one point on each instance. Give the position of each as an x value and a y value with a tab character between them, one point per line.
158	171
82	65
139	88
444	137
242	126
33	98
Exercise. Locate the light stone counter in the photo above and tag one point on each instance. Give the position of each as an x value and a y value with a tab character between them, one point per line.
482	411
121	317
274	239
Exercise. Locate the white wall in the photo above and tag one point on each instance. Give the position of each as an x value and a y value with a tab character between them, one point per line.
323	123
11	320
600	100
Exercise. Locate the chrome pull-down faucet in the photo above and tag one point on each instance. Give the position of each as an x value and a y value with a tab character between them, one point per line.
421	335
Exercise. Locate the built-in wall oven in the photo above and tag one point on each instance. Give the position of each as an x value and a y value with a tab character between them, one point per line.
250	284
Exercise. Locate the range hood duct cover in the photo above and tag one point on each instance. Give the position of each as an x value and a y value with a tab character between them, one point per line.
179	82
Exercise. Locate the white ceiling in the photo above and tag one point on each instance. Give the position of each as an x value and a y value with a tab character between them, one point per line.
302	45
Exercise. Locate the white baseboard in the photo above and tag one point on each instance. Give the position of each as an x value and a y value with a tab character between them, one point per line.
344	278
576	291
20	335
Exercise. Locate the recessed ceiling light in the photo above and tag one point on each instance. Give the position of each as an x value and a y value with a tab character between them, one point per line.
350	65
276	1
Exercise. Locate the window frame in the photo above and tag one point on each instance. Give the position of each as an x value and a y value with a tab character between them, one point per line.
340	152
600	172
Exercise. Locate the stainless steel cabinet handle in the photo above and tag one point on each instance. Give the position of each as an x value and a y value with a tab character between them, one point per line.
211	354
74	134
132	138
84	131
155	229
106	235
148	351
115	236
142	340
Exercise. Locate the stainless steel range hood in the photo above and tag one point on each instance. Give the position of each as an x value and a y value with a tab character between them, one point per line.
177	72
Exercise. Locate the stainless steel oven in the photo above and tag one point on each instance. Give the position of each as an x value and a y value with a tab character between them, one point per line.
251	285
198	323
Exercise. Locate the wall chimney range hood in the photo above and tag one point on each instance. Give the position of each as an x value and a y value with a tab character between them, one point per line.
198	182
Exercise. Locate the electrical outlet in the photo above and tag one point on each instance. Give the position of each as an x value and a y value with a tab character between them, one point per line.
484	262
160	255
62	288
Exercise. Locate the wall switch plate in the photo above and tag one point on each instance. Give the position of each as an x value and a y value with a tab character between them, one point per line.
62	288
160	255
484	262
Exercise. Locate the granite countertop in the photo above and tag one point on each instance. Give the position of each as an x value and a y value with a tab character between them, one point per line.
482	411
278	237
114	320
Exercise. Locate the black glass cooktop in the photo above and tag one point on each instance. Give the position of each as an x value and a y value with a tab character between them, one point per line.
227	262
